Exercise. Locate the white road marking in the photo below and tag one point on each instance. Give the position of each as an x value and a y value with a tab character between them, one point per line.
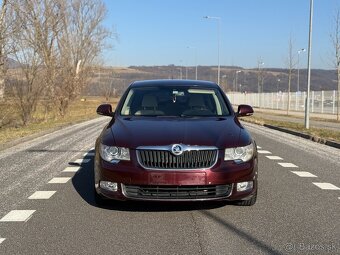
71	169
259	147
42	194
325	185
264	152
303	174
60	180
18	215
89	154
287	165
2	239
274	157
82	161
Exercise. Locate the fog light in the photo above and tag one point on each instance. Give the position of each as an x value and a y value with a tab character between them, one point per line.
111	186
244	186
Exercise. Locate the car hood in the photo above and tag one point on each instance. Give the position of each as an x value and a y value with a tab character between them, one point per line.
152	131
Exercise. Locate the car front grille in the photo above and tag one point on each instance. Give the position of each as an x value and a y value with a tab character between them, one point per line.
177	192
163	159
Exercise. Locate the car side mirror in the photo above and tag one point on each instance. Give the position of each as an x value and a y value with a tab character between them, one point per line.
244	110
105	109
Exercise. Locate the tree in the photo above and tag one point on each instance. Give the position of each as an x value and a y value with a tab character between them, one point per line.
291	63
28	83
55	42
82	39
5	27
44	20
336	44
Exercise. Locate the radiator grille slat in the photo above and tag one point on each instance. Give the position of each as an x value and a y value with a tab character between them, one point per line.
162	159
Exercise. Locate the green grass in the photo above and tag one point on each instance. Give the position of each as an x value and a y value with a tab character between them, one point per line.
78	111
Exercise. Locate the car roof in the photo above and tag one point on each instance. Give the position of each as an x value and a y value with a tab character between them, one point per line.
199	83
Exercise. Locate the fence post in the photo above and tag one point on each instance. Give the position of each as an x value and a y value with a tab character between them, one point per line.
313	101
322	99
296	100
334	96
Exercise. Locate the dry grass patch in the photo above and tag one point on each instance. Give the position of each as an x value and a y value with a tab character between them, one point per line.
12	127
321	133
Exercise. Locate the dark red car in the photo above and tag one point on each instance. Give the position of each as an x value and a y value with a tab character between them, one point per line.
175	140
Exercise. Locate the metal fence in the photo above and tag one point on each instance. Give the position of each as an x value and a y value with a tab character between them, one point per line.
320	101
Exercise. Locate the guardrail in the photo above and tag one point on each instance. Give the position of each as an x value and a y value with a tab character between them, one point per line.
320	101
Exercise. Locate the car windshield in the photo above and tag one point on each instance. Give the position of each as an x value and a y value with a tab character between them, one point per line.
174	101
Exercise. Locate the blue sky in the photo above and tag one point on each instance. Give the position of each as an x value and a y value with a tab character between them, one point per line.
158	32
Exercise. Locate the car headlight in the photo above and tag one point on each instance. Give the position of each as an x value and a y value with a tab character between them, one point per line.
239	154
113	153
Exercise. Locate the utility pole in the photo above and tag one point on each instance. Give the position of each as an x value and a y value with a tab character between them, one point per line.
307	105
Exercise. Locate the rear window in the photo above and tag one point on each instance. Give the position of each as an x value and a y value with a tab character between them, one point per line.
174	101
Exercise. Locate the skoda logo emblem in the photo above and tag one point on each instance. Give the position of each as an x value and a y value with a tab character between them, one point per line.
176	149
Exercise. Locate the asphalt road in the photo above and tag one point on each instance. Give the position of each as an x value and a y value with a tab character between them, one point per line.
292	216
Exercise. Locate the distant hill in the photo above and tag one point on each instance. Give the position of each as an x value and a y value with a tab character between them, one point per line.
120	78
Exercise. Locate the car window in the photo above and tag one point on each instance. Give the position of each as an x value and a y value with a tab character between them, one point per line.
174	101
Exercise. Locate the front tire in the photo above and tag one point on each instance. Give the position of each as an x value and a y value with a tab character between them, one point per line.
248	202
99	199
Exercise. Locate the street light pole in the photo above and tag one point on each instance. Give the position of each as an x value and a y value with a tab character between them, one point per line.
189	47
226	83
298	65
218	45
236	74
277	85
259	64
309	63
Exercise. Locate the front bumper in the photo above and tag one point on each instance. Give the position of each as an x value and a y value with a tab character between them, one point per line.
179	185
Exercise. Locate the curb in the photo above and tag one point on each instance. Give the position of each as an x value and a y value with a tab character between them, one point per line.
306	136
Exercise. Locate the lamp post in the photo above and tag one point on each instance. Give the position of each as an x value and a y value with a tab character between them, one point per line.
195	49
309	63
236	76
277	85
180	70
298	74
259	64
218	45
226	83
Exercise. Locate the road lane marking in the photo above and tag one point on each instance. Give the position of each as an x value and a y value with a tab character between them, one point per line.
325	185
287	165
259	147
82	161
42	194
89	154
264	152
274	157
71	169
60	180
17	215
2	239
303	174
